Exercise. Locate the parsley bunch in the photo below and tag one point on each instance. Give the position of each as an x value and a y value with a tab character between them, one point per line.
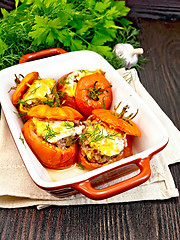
69	24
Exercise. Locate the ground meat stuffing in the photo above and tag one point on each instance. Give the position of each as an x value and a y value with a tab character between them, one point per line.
96	156
64	143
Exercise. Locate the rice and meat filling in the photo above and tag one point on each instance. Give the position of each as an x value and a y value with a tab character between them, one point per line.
61	134
101	144
41	91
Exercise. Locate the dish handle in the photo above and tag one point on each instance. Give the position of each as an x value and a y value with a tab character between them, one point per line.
86	188
41	54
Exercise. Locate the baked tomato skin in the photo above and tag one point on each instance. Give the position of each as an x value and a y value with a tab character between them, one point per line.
48	154
19	92
23	86
127	152
111	118
93	92
57	113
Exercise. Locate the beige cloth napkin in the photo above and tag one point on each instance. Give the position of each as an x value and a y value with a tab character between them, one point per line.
18	190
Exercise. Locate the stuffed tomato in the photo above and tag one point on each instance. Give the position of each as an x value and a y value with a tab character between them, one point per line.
85	90
106	138
51	133
32	91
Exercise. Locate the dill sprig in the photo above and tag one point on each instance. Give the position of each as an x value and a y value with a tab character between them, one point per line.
96	134
68	124
21	114
24	102
64	80
22	139
34	90
57	102
50	133
49	101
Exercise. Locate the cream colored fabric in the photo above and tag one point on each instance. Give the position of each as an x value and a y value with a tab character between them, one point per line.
18	190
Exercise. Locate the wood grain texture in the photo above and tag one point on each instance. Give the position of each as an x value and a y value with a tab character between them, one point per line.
7	4
146	220
161	43
153	9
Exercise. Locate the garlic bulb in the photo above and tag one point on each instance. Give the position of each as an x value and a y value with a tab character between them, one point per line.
128	53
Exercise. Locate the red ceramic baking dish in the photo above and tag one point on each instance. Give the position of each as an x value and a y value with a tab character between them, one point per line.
63	183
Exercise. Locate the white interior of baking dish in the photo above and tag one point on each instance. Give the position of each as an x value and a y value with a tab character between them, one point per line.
153	137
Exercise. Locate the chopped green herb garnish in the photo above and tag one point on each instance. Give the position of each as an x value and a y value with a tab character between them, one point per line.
34	90
96	134
21	114
22	140
80	166
50	133
57	102
24	102
68	124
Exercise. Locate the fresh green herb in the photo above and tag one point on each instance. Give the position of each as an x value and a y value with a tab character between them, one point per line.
69	24
57	102
50	133
80	166
22	140
21	115
115	61
141	62
64	80
49	101
96	134
24	102
68	124
128	34
34	90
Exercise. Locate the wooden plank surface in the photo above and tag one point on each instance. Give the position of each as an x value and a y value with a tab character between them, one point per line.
7	4
153	9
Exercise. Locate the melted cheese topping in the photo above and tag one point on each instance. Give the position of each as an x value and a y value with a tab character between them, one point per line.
53	131
40	89
109	142
73	78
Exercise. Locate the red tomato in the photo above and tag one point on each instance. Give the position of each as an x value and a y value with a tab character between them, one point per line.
93	92
48	154
23	86
111	118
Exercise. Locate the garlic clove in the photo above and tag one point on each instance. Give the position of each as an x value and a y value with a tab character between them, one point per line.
128	53
138	51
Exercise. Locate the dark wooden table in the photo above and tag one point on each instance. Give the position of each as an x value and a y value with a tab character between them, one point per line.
146	220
